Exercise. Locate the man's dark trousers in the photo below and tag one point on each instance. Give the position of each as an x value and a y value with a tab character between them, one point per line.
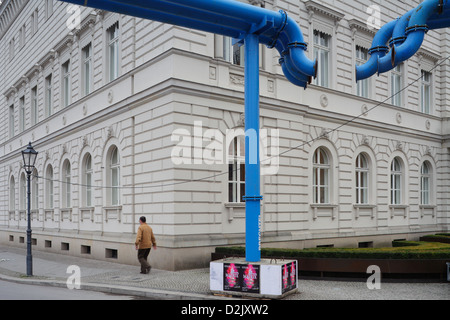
142	257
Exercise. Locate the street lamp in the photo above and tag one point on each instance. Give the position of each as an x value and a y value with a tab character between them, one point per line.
29	156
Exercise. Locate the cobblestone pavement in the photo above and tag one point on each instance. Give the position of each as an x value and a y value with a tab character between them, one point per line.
51	269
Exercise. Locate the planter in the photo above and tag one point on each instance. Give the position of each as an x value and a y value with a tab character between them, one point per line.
345	267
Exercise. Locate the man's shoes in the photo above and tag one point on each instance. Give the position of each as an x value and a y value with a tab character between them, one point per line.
147	270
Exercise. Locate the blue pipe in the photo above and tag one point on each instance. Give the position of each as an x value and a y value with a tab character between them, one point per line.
415	32
252	164
225	17
385	63
407	36
379	49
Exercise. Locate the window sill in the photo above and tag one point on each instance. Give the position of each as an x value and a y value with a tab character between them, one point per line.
364	210
427	210
87	213
234	204
328	210
113	213
399	210
235	210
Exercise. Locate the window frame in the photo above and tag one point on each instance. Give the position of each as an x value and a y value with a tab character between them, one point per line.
362	173
396	78
426	85
113	51
428	177
236	170
66	83
396	184
321	170
320	49
114	176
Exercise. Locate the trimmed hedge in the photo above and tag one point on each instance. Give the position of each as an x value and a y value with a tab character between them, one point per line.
400	250
438	237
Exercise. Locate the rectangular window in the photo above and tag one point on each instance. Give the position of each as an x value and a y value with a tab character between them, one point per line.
12	45
48	96
22	36
113	51
425	92
233	51
48	8
236	170
34	22
22	114
362	86
66	94
322	46
11	121
396	86
34	106
86	72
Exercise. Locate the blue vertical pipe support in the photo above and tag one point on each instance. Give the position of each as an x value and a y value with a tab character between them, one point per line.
252	165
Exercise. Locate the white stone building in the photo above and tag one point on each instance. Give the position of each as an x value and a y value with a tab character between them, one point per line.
100	95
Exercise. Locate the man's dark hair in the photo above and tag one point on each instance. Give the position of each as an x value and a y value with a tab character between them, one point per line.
142	219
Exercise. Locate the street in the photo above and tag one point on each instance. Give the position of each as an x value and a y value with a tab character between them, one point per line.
16	291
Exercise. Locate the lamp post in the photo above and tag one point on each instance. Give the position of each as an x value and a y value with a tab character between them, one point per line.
29	156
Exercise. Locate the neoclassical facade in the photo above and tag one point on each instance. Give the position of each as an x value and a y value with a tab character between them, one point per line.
133	117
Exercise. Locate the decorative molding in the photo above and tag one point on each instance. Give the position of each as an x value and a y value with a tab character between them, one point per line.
315	8
237	79
241	120
365	141
66	42
9	10
356	25
87	24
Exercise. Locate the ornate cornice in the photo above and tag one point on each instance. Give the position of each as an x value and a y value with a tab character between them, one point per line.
315	7
9	10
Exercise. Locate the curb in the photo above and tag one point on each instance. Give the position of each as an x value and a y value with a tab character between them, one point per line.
156	294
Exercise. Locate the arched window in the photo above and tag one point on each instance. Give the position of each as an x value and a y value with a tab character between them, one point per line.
34	190
23	192
236	170
396	181
114	176
12	194
87	180
425	183
67	186
49	187
321	176
362	179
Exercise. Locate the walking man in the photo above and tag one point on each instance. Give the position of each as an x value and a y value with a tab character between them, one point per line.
145	240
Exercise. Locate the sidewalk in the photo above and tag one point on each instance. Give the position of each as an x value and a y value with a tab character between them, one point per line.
51	269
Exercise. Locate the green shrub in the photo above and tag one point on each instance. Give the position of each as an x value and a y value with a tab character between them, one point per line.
400	250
